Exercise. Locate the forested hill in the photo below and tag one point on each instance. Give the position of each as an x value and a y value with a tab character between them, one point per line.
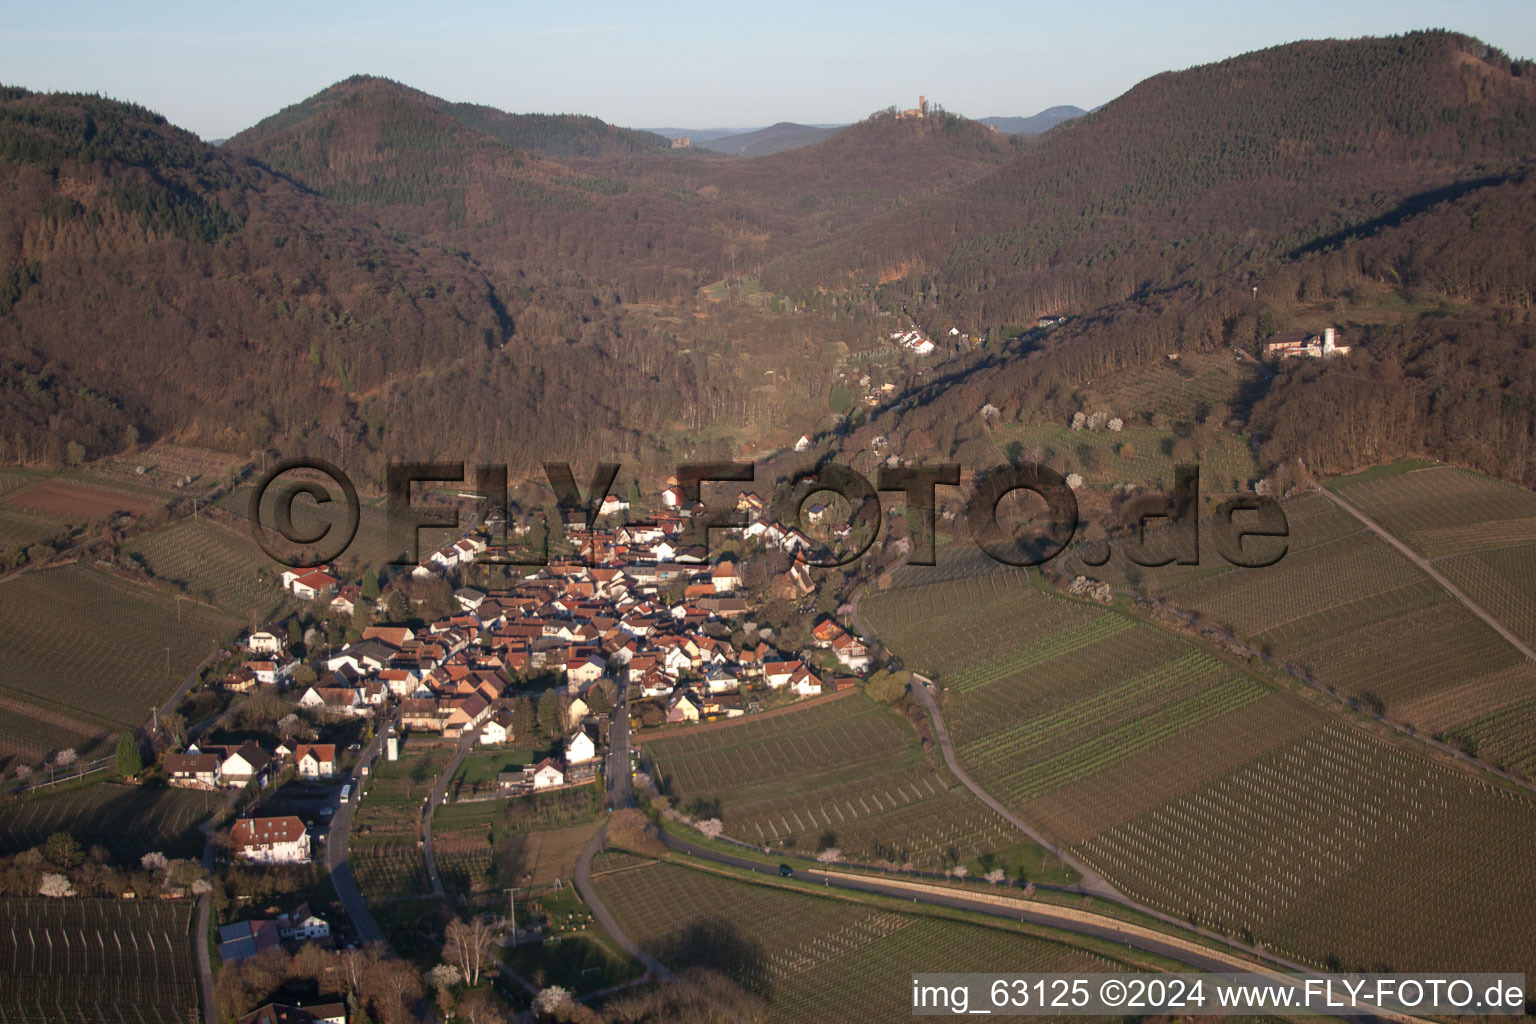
371	141
348	270
1380	185
154	282
562	135
1194	173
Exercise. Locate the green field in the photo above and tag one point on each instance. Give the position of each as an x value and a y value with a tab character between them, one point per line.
477	775
1201	790
1182	391
129	821
97	961
849	768
805	954
214	564
90	650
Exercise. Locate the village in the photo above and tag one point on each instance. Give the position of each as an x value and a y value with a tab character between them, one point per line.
631	622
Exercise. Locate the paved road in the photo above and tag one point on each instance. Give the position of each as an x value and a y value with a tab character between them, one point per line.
616	775
1433	573
336	864
621	794
439	793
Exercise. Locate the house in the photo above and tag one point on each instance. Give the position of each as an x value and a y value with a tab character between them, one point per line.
580	748
193	771
1291	344
547	775
245	763
469	599
241	680
246	939
719	679
683	707
612	506
824	632
315	760
395	636
270	673
779	673
262	642
583	673
461	714
279	1013
851	651
805	684
804	444
725	577
339	699
270	840
346	600
726	707
313	585
421	713
497	729
302	925
914	341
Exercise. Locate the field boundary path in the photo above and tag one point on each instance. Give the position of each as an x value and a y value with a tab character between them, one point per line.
204	910
1433	573
1092	882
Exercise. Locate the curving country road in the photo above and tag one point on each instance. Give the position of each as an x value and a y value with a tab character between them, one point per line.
621	794
439	792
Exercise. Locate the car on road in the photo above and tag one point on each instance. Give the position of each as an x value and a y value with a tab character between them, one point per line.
786	871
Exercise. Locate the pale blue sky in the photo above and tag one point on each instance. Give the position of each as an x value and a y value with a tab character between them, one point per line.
218	68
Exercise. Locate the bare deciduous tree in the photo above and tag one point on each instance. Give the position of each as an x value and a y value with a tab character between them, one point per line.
355	965
466	946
